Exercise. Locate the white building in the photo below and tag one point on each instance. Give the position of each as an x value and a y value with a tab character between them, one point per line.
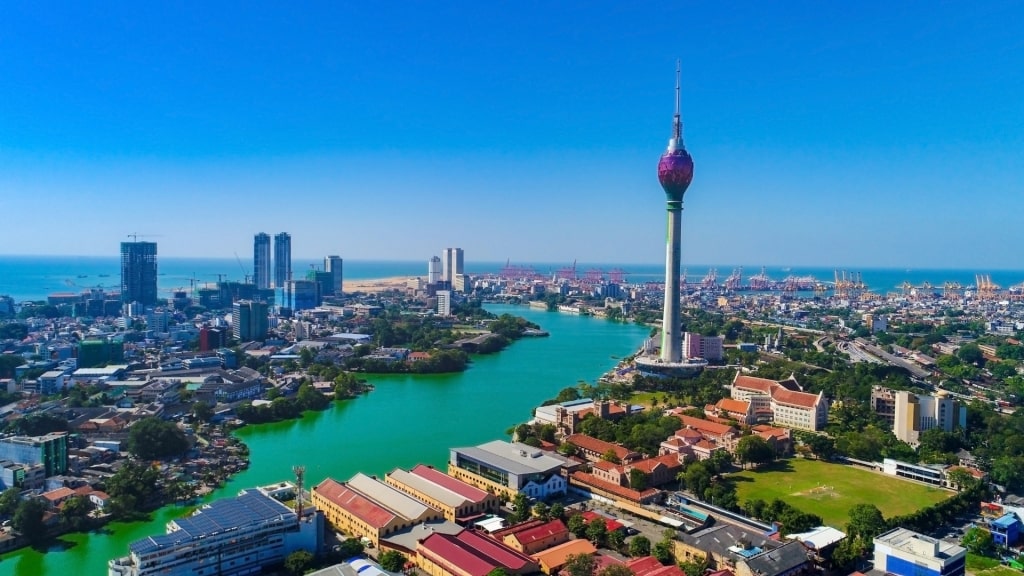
906	553
508	468
241	535
451	264
916	413
433	270
444	302
781	403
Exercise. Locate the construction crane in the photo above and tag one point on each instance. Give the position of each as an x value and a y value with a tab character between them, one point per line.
245	274
135	236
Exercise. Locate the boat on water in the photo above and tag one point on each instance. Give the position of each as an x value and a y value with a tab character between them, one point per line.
83	275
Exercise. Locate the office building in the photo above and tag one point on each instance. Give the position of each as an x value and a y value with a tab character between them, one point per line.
706	347
305	294
444	303
241	535
138	272
282	259
902	552
451	264
249	320
51	451
261	260
433	271
334	265
508	469
463	283
911	414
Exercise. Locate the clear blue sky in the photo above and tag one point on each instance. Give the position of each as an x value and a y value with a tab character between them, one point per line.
823	133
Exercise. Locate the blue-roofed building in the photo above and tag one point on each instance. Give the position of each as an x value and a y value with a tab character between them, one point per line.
903	552
229	537
1005	529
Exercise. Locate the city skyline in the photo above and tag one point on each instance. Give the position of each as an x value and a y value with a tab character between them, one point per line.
884	136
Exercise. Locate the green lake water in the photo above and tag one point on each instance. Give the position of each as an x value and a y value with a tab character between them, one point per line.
406	420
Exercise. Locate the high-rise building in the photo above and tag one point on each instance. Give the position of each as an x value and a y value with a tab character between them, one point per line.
444	303
282	259
249	320
675	172
451	264
138	272
911	414
305	294
433	270
261	260
335	266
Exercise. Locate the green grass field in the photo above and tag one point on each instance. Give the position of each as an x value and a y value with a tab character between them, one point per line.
829	490
981	566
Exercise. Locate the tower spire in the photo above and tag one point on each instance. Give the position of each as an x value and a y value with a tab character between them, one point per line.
677	121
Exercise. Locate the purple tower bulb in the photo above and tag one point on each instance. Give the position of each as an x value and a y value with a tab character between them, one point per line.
675	169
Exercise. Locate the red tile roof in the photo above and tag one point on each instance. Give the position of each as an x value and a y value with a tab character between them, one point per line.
471	493
604	465
599	446
354	503
730	405
610	524
59	494
791	398
762	385
706	427
648	465
629	493
531	535
472	553
649	566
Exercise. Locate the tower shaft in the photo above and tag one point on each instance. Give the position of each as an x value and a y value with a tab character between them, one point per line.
671	342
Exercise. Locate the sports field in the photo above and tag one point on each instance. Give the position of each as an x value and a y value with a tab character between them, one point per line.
829	490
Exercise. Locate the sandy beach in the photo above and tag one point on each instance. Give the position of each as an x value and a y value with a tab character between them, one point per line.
373	285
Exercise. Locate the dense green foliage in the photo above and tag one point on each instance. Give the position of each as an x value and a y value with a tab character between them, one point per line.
8	362
392	561
132	489
28	521
37	425
153	439
282	408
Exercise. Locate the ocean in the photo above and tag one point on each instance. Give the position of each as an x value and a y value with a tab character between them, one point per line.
35	277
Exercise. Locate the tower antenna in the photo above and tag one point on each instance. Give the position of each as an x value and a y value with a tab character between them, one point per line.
677	120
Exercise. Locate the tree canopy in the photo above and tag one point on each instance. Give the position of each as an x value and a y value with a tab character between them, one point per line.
154	439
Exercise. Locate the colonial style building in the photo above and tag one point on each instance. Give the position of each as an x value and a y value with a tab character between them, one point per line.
782	403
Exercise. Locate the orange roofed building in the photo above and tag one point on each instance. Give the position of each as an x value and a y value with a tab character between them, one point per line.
782	403
593	449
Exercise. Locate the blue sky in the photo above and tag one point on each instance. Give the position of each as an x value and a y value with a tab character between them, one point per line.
857	134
